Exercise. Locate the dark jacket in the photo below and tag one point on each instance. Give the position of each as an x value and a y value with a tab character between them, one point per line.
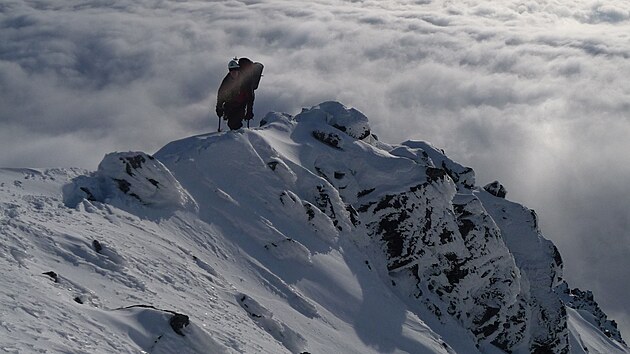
235	97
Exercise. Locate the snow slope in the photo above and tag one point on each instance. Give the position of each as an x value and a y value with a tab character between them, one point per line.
304	235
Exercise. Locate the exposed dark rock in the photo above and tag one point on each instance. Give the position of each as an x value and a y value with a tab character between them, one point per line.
284	194
465	227
463	177
123	185
542	348
444	243
271	245
324	203
309	211
446	236
330	139
487	315
435	174
365	207
354	215
136	175
246	303
514	329
348	120
154	182
133	162
496	189
361	136
585	301
457	272
97	246
340	127
323	175
365	192
88	193
52	275
179	322
272	165
534	218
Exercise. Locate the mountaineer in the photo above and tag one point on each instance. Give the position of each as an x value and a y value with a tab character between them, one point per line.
235	99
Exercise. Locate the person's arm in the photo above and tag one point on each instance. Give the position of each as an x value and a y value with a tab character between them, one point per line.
221	98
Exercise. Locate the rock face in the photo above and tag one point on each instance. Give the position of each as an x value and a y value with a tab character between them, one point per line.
446	249
348	120
541	268
459	250
472	255
584	301
450	250
496	189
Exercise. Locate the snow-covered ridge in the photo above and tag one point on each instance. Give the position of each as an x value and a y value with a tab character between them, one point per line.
304	235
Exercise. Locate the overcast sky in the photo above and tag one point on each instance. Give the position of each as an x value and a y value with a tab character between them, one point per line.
533	93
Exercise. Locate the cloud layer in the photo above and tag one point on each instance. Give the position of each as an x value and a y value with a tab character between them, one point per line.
533	93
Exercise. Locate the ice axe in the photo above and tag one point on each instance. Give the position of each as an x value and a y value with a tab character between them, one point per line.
220	118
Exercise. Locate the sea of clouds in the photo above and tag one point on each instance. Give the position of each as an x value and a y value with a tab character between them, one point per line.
534	93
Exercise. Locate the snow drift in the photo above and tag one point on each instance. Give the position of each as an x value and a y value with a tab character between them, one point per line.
304	235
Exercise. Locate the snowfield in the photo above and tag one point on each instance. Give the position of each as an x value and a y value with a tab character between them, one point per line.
304	235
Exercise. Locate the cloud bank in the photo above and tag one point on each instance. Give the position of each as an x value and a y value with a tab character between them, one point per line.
532	93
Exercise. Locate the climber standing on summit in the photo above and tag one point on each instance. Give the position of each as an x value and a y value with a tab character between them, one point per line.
235	99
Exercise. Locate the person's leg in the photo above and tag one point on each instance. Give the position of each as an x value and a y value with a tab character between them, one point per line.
235	117
235	123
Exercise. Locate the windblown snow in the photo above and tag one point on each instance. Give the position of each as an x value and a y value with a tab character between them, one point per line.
305	235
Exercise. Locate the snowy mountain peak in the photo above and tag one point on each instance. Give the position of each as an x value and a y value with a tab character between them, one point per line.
304	235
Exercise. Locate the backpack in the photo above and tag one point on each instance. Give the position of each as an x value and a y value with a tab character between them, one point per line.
252	71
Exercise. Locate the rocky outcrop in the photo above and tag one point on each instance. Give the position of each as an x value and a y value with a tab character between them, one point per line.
130	176
349	120
585	301
461	251
496	189
541	267
451	250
